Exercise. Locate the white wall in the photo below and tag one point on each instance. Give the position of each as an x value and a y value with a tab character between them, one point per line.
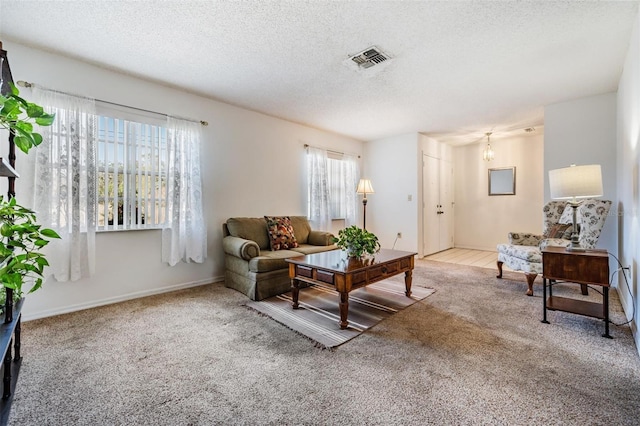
583	131
628	177
252	165
392	166
483	221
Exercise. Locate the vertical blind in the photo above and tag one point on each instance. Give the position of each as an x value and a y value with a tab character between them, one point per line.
132	170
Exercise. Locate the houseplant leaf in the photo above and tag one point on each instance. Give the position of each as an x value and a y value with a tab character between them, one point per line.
357	241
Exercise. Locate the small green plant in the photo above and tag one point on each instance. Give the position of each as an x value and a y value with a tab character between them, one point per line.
357	241
20	235
20	239
18	116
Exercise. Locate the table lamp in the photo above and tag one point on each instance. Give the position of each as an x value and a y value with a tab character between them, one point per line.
572	183
364	187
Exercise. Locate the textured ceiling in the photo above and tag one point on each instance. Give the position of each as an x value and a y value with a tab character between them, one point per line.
459	68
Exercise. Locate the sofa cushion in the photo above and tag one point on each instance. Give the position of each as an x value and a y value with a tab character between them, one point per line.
270	260
250	228
301	228
320	238
281	235
310	249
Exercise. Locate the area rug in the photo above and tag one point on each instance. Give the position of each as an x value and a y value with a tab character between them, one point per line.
319	314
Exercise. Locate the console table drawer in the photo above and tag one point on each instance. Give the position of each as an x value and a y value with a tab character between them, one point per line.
406	263
325	277
304	271
359	277
391	268
383	271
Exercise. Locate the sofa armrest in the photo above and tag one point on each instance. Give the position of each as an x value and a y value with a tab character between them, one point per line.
239	247
320	238
524	239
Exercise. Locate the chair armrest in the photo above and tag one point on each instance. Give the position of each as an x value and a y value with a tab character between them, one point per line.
554	242
524	239
320	238
239	247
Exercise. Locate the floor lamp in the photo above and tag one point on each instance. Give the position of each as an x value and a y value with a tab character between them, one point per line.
571	183
364	187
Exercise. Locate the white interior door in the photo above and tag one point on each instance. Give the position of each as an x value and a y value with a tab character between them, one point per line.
446	205
431	203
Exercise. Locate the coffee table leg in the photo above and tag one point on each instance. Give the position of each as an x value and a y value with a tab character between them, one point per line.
407	282
344	310
295	291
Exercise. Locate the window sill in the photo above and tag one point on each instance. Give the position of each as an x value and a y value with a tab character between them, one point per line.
111	230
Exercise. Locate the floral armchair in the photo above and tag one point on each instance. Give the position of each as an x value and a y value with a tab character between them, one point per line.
523	252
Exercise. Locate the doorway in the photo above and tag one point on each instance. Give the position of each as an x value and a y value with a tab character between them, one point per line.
438	205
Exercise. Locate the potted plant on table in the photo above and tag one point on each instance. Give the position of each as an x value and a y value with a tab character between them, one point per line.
357	242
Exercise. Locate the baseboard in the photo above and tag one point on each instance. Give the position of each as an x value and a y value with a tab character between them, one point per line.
636	336
627	302
117	299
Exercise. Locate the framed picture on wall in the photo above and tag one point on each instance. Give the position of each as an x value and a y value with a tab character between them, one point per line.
502	181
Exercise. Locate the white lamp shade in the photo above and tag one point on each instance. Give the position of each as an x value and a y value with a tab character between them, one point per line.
576	182
365	187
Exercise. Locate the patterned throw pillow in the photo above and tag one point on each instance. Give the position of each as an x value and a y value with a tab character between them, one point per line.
560	230
281	234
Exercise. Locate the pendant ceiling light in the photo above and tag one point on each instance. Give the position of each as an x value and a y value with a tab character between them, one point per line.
487	154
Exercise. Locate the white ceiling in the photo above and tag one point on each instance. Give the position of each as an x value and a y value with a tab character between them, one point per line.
459	68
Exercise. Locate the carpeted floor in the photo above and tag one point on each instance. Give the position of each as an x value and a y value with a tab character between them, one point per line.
474	352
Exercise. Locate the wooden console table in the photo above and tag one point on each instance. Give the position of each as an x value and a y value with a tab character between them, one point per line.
581	267
334	269
10	336
10	327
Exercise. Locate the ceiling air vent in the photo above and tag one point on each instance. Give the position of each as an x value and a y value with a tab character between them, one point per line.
370	57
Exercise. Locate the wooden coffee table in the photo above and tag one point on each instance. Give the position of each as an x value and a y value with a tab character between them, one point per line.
335	270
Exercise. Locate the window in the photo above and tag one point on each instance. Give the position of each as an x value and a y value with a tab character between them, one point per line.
131	174
336	178
103	166
332	181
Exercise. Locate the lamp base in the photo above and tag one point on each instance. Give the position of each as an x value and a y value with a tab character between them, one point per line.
575	243
575	239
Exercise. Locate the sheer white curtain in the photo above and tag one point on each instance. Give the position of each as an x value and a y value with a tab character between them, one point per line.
184	236
350	182
65	183
319	195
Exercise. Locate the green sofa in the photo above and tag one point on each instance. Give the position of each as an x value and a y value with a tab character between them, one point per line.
252	268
